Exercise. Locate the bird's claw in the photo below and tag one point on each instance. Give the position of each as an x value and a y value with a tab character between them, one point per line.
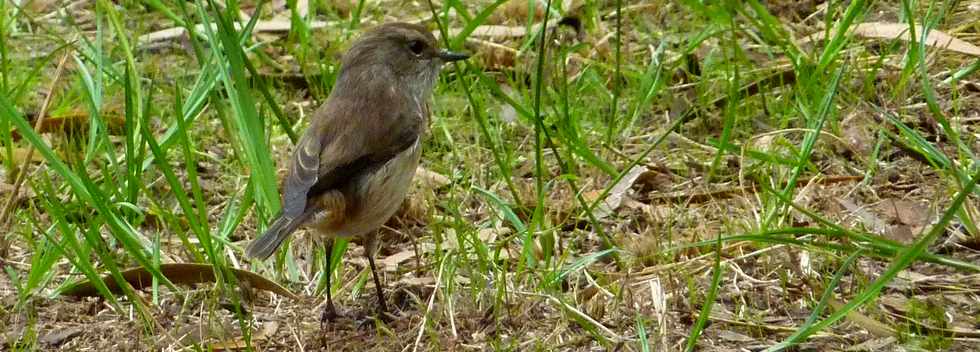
329	315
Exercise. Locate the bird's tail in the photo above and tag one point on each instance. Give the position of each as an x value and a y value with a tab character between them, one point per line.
266	244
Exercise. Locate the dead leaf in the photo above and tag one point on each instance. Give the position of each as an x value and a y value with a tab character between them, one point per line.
59	336
416	281
907	280
272	26
390	263
906	212
36	7
343	7
431	179
20	156
858	135
498	32
869	219
729	335
618	192
413	210
178	273
494	32
653	181
902	233
907	217
490	235
493	56
516	11
883	30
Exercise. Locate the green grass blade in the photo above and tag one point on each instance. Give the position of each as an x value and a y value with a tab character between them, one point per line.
249	126
901	261
709	301
828	293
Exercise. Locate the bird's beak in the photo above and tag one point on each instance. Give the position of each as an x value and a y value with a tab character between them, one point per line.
448	56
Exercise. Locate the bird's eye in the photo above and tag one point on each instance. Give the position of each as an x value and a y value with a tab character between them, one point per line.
416	46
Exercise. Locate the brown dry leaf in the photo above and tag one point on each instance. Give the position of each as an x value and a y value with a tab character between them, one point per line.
74	120
516	11
493	56
490	235
902	233
431	179
60	335
494	32
343	7
883	30
271	26
907	216
654	180
870	220
729	335
416	281
858	134
39	6
906	212
391	262
19	157
498	32
907	280
654	211
178	273
618	192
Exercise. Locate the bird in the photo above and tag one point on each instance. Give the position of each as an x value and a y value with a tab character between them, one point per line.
352	167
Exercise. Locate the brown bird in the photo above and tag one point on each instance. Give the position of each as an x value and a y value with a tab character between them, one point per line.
352	168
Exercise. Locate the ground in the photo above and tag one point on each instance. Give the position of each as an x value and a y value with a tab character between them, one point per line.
722	179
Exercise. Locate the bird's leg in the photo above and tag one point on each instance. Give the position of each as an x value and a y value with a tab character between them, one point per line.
382	306
370	248
329	312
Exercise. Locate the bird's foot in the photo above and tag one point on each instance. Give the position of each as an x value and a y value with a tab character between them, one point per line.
329	315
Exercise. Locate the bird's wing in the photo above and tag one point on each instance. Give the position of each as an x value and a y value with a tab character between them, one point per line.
338	147
303	174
